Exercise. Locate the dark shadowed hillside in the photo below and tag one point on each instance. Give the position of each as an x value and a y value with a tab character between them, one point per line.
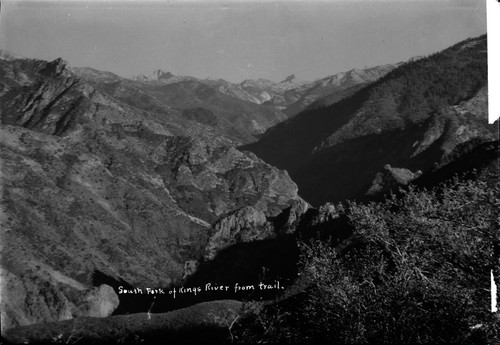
411	118
416	269
326	91
111	184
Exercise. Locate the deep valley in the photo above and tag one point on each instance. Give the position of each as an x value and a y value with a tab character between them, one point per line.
268	207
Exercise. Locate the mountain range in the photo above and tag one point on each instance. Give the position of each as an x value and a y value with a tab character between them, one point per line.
166	181
92	184
240	112
411	118
289	96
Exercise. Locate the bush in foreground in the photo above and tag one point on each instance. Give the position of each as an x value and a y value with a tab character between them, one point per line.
416	270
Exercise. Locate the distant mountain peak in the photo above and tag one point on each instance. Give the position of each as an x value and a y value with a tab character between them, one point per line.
289	79
415	58
57	67
157	74
261	81
421	111
160	74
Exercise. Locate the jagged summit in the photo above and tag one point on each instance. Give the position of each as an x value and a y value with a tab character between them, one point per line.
413	59
52	68
114	183
418	110
124	186
57	67
291	82
158	74
289	79
255	82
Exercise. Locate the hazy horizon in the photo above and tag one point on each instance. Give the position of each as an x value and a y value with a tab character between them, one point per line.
236	40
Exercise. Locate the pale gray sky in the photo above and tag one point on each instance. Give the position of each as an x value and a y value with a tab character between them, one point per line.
236	40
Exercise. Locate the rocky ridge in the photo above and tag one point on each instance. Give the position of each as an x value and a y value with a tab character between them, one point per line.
290	95
223	107
325	91
419	112
92	184
96	183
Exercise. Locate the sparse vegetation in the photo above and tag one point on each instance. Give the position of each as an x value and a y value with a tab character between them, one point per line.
321	148
416	270
440	80
123	183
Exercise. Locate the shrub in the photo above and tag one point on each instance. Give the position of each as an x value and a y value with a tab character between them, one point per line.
416	270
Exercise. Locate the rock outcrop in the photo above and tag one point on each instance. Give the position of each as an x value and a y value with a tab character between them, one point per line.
328	90
245	225
234	113
36	294
390	180
93	184
413	117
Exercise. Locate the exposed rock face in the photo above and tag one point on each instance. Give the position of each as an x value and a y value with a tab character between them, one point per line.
190	268
245	225
41	103
293	96
325	213
290	96
101	302
391	179
288	221
35	293
234	113
91	183
328	90
403	119
158	74
457	124
288	79
279	100
270	92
